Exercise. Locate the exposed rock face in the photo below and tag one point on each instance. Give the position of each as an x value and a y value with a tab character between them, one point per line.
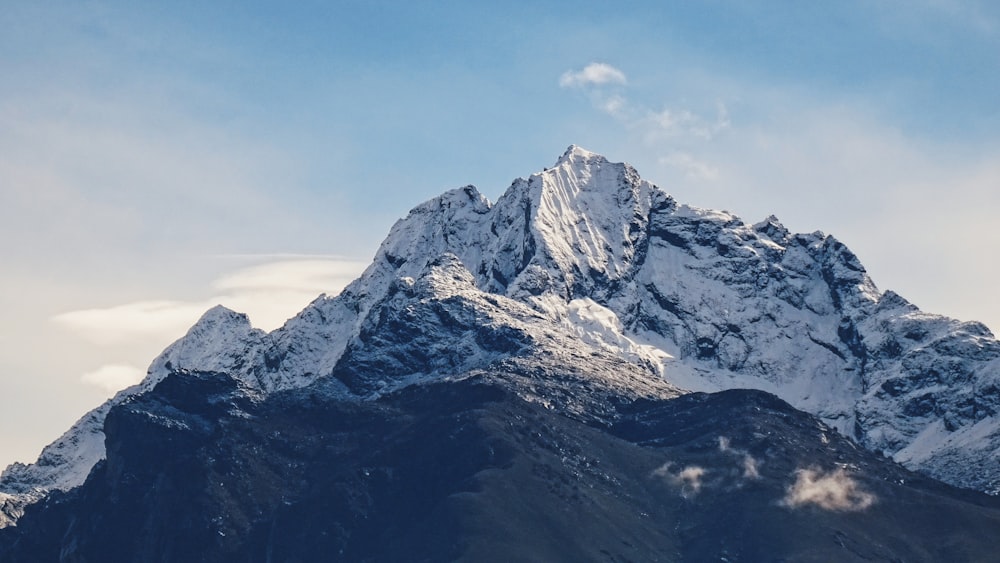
203	468
587	269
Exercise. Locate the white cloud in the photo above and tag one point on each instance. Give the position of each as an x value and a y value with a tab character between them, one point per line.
749	464
132	321
690	166
614	105
271	293
664	124
131	179
669	122
594	74
688	479
835	490
670	126
113	377
313	275
268	293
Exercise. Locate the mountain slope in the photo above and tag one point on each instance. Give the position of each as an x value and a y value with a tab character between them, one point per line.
585	265
204	468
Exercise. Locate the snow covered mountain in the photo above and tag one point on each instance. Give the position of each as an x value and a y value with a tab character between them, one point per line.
589	269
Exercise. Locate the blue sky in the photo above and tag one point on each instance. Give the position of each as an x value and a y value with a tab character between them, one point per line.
158	157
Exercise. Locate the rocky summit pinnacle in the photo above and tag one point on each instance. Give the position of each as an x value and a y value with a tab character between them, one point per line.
585	286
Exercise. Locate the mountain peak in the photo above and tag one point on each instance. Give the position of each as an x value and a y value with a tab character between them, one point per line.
457	199
222	314
578	154
773	229
221	341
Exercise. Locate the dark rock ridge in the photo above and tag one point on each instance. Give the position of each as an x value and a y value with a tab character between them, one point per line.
204	469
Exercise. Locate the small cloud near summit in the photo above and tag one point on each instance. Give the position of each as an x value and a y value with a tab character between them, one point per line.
835	490
594	74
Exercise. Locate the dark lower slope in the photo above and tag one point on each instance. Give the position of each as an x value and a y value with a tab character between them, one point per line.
196	471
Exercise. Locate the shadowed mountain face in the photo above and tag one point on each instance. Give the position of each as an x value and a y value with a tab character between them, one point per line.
201	469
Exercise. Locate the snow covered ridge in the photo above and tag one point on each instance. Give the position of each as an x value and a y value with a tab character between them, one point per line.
586	259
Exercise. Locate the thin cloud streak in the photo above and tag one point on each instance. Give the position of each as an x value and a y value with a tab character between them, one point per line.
113	377
268	293
111	182
971	15
312	275
749	464
130	322
678	128
690	166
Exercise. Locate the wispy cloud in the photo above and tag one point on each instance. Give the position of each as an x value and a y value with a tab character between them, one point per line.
682	122
127	322
835	490
664	126
113	377
748	463
614	105
314	275
594	74
690	166
688	479
971	15
269	293
664	123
